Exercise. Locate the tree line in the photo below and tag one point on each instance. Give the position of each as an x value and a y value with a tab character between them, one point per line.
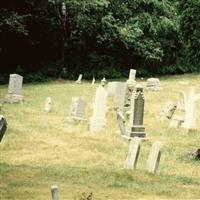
54	38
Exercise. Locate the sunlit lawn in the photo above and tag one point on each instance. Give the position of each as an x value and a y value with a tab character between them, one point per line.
41	149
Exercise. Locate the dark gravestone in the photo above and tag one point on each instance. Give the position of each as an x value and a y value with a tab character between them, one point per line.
3	126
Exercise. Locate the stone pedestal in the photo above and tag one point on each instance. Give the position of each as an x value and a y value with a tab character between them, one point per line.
136	127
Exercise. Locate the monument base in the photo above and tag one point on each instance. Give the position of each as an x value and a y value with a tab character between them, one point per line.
13	98
136	131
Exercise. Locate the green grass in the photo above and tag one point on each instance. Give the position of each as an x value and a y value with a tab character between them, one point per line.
41	149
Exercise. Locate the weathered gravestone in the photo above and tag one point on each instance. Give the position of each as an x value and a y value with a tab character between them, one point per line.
121	122
3	126
130	86
154	157
133	154
190	122
77	109
135	126
111	88
153	84
79	79
93	81
47	105
98	119
14	94
119	95
54	192
179	115
167	110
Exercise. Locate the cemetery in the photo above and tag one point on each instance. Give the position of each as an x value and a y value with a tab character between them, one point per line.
143	143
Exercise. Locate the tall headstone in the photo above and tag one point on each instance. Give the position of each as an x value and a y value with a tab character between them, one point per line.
54	192
98	119
14	94
133	154
119	95
191	110
79	80
135	126
77	109
154	157
121	122
132	74
3	126
47	105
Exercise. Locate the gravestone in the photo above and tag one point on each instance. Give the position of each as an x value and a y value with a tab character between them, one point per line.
103	82
153	84
167	110
54	192
14	94
179	115
135	126
79	79
98	119
47	105
93	81
119	95
190	122
111	88
154	157
133	154
77	109
3	126
121	122
132	75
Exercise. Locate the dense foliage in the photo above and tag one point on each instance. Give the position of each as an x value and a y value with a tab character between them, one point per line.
99	37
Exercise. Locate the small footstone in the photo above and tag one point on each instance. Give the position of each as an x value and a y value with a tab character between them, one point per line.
3	126
133	154
154	157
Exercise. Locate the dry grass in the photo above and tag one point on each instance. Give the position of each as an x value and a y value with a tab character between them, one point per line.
40	149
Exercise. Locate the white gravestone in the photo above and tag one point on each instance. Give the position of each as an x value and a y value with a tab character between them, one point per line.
93	81
179	115
98	119
79	79
119	95
77	109
47	105
153	84
154	157
111	88
191	110
14	89
132	74
133	154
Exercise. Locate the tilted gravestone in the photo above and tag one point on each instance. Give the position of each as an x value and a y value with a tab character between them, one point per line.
47	105
77	109
154	157
135	126
133	154
14	94
98	119
167	110
79	80
3	126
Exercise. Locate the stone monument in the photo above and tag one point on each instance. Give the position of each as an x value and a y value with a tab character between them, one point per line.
14	94
98	119
47	105
154	157
79	79
77	109
135	126
3	126
153	84
119	95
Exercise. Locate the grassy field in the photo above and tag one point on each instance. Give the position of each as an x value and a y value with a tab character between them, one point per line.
41	149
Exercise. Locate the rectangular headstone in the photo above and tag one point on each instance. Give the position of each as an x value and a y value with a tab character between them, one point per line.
133	154
119	95
15	84
154	157
77	108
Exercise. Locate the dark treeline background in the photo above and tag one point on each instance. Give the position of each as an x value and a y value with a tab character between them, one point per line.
52	38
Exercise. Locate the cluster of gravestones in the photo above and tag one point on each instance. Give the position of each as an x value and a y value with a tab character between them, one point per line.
184	112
